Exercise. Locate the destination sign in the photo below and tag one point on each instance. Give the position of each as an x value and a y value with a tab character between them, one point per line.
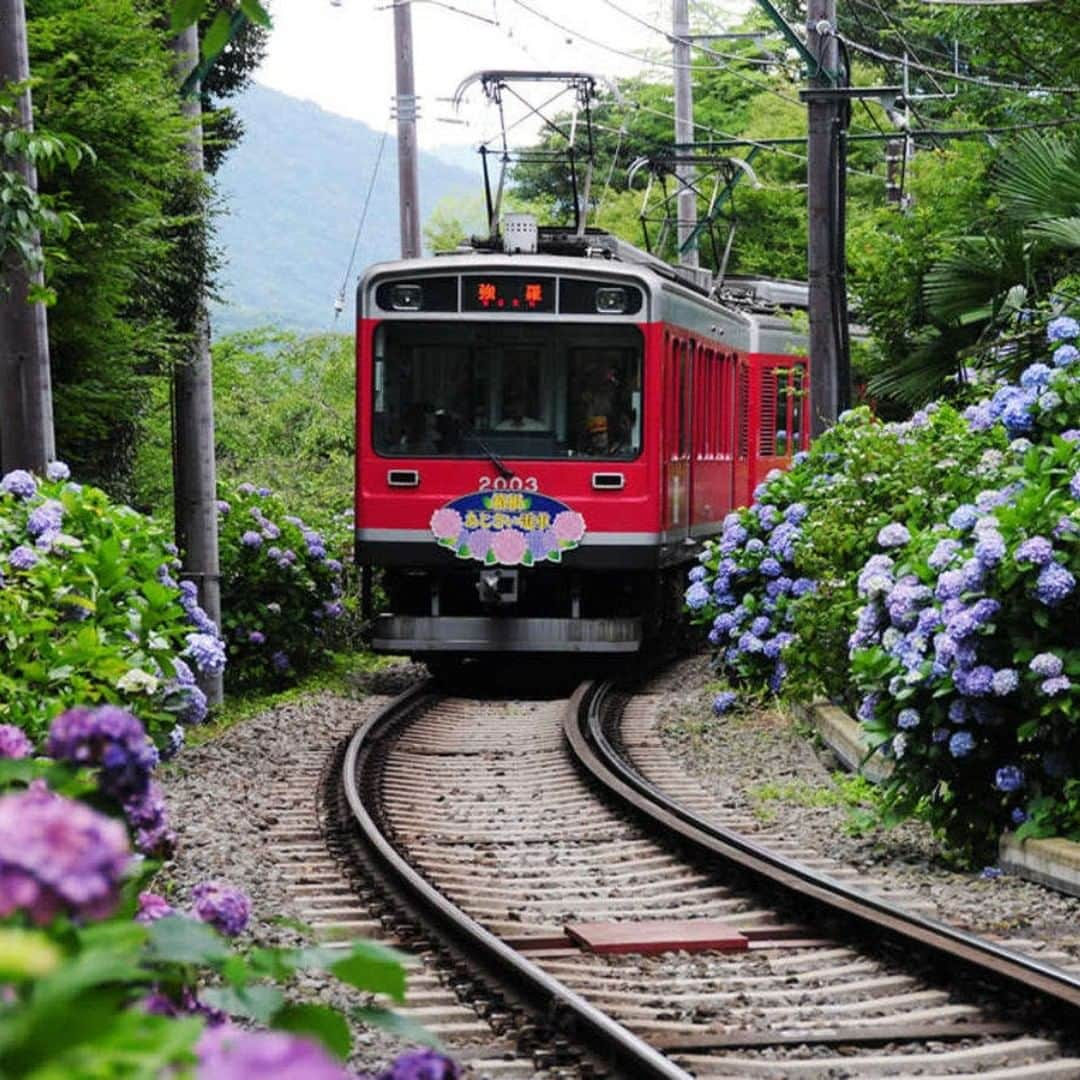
507	294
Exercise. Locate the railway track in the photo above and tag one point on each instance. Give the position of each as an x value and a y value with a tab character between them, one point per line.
485	823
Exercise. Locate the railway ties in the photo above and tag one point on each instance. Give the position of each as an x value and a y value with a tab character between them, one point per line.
509	843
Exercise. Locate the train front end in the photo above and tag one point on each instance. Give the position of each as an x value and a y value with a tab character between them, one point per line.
502	486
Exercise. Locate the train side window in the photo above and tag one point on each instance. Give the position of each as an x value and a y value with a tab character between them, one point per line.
771	388
686	360
796	399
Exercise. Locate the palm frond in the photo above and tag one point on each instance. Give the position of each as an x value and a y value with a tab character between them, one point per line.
924	372
1038	177
1061	232
968	284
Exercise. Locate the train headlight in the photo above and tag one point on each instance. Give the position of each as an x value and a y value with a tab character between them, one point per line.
611	301
406	298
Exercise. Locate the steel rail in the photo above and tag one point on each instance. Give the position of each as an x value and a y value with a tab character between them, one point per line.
584	728
603	1037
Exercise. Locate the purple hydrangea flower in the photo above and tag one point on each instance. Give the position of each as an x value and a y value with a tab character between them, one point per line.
1063	328
1047	664
256	637
14	742
184	674
223	508
943	553
23	558
207	652
1057	685
975	682
57	470
279	661
146	814
45	518
153	907
422	1065
263	492
19	483
222	906
1054	584
174	744
58	855
110	737
251	539
1038	551
195	708
724	622
724	701
990	549
1074	486
939	735
760	626
227	1053
958	711
697	573
961	744
246	488
1009	778
893	535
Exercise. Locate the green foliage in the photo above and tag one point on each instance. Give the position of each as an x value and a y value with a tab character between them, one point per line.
284	417
90	622
279	589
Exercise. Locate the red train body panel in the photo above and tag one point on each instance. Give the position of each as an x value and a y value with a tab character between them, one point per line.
543	441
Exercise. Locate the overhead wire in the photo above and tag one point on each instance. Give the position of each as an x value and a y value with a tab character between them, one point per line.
340	304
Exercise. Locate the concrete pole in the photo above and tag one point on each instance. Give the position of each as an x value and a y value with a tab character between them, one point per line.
194	467
27	439
684	134
821	178
405	101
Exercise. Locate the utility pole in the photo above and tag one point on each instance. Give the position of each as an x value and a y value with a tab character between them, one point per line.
825	255
684	135
27	439
194	466
406	105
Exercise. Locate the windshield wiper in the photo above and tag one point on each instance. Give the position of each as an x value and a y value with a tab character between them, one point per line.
504	470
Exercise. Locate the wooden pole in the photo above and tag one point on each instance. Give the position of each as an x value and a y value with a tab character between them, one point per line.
194	466
27	439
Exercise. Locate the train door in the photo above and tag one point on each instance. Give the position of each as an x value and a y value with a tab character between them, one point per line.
677	430
742	472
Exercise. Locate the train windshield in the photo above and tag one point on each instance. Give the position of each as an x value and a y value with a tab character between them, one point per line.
520	391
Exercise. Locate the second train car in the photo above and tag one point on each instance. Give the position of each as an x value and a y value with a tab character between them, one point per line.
545	437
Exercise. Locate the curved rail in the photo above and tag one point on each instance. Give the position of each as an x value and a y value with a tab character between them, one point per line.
603	1036
584	727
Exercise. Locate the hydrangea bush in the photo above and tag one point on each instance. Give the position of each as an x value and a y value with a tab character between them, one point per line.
104	978
90	611
936	565
282	588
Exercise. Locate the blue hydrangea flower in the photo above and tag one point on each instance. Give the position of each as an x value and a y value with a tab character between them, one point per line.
23	558
45	518
950	585
979	417
959	712
697	573
963	517
754	546
724	701
1057	685
1049	400
1062	328
1018	816
961	743
1009	778
1074	486
760	626
207	651
990	873
1047	664
770	567
251	539
800	457
19	483
1005	681
1064	355
1054	584
1036	377
893	535
908	719
944	552
750	643
1038	551
697	596
974	682
57	470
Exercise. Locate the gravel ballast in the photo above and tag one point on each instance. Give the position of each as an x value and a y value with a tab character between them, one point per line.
767	764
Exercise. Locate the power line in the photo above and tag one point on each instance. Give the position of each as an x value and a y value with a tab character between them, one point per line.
986	84
340	304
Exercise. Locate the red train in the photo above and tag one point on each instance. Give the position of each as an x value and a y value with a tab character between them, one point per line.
544	438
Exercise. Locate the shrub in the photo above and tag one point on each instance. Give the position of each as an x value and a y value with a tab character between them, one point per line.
281	589
89	611
103	979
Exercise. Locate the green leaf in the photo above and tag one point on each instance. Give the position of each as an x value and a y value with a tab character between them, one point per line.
217	35
373	967
256	13
388	1020
255	1002
180	940
184	13
320	1022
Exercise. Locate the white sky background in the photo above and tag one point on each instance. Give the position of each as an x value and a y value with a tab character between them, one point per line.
341	57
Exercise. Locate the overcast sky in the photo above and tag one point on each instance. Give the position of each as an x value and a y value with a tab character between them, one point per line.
340	55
